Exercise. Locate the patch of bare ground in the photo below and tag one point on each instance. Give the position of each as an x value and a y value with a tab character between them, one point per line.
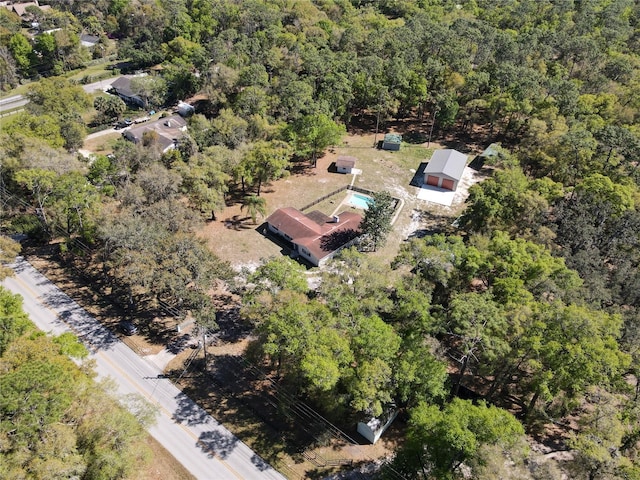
162	466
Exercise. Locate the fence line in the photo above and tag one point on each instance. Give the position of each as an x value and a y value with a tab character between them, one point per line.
324	197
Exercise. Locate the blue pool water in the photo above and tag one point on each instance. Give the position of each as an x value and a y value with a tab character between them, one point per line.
360	201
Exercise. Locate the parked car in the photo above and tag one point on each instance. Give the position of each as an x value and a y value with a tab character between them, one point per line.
123	124
128	328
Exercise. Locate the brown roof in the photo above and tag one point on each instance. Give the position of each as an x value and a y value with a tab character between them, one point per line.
321	239
21	8
346	161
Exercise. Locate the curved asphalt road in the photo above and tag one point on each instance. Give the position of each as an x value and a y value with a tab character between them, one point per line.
199	442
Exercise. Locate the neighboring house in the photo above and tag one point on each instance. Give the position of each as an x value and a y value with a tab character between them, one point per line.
445	169
169	131
316	237
345	164
20	9
122	88
392	141
89	41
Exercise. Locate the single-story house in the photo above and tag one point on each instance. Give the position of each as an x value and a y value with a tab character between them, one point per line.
169	131
89	41
20	8
445	169
122	88
344	163
315	237
392	141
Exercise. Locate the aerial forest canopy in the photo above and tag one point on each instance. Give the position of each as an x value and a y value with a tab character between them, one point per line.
531	301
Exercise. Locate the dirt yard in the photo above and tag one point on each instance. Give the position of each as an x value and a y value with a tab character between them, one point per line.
235	238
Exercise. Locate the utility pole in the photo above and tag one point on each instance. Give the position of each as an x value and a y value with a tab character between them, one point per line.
433	122
375	137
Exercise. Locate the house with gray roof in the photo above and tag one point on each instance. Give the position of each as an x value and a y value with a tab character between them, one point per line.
122	88
445	169
166	132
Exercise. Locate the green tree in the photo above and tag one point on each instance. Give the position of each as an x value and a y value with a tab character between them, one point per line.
44	127
312	134
205	181
9	249
109	106
266	161
255	206
376	223
439	441
57	96
41	184
13	321
21	50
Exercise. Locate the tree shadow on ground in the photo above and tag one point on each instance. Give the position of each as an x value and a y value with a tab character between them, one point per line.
81	322
189	413
237	223
335	240
434	223
217	443
260	463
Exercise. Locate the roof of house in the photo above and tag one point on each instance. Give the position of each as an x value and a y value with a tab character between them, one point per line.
315	231
168	129
123	86
87	40
393	138
21	8
346	161
448	162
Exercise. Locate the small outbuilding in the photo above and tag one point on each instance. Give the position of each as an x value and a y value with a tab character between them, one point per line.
392	141
185	109
345	164
445	169
89	41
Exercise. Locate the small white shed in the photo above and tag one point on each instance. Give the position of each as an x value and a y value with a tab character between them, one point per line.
374	428
344	164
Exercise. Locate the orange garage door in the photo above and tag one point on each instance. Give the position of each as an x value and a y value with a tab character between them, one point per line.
431	180
447	184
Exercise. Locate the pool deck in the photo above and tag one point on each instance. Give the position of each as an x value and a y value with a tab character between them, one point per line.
346	203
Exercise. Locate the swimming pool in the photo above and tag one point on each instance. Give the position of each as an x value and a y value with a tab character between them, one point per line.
360	201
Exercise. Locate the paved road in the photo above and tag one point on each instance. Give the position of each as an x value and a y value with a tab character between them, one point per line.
207	449
15	101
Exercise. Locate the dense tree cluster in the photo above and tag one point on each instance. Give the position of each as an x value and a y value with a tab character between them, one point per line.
55	420
533	304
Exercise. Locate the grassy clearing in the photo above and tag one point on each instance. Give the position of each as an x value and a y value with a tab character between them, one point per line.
102	144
